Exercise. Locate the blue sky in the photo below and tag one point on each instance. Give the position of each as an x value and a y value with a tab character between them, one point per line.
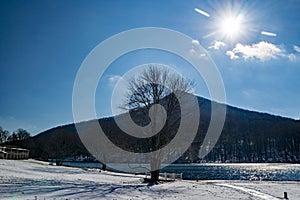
43	43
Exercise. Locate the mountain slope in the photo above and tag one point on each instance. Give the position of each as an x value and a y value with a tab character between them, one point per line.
247	136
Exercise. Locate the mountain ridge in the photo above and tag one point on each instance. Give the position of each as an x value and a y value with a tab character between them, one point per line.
247	136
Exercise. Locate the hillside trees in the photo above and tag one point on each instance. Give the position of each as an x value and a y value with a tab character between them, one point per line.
4	134
20	134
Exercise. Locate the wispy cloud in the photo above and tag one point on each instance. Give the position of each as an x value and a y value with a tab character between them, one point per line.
291	57
196	49
231	55
294	56
261	51
268	33
216	45
195	42
296	48
114	78
202	12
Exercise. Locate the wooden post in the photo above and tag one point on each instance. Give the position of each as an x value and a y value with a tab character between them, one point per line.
285	195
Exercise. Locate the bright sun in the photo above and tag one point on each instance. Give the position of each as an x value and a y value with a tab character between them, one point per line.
231	26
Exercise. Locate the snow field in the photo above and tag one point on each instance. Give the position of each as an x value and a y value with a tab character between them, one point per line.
31	179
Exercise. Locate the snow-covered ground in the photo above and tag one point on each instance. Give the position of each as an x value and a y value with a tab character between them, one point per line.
31	179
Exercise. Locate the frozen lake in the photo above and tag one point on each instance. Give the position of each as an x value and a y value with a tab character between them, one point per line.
266	172
241	171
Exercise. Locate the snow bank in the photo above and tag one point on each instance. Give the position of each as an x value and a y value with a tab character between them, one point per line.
31	179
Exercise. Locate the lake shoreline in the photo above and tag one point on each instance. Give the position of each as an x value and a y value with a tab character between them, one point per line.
31	179
208	171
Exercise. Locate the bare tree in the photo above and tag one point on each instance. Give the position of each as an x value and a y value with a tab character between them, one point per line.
157	85
20	134
12	137
4	134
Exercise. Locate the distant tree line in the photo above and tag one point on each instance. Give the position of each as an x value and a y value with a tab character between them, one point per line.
252	149
20	134
251	137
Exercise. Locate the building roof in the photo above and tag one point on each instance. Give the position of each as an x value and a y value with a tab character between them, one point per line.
13	147
3	152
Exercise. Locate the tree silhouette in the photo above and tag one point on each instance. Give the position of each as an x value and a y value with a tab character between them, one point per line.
154	86
4	134
20	134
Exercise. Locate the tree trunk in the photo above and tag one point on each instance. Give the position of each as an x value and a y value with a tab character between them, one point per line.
155	169
103	167
59	162
154	176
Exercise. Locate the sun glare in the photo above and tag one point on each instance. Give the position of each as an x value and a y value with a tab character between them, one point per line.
231	26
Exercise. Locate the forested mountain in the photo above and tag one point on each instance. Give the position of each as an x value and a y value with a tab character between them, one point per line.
247	136
252	137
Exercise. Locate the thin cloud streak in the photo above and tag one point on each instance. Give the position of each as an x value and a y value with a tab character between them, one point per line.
202	12
268	34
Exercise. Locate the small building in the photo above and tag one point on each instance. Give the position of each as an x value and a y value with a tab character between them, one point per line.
13	153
